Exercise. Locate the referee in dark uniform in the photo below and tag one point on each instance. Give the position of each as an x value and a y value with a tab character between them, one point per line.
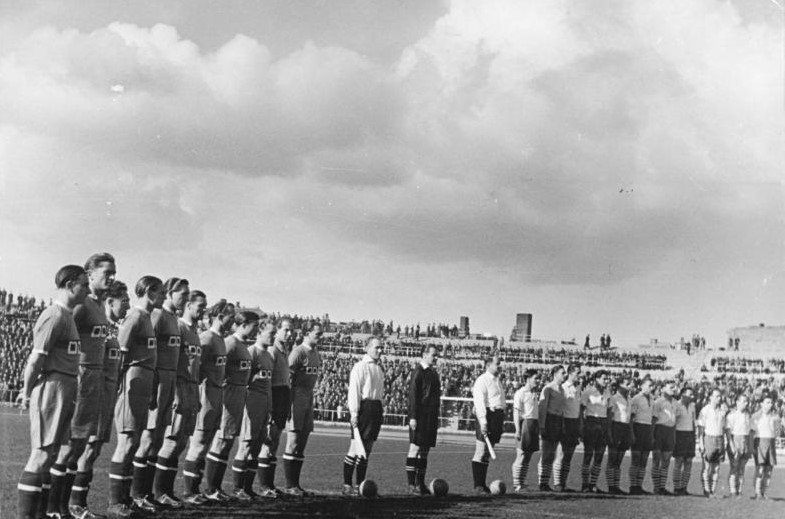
425	393
489	406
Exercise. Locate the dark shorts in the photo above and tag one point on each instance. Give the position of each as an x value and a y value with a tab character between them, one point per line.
764	452
232	412
595	433
369	420
184	410
52	402
301	417
495	426
161	416
257	410
427	426
89	396
685	444
643	439
714	448
572	433
282	405
621	436
554	428
530	435
103	432
133	400
209	417
664	438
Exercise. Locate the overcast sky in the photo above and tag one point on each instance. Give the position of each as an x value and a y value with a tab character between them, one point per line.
609	166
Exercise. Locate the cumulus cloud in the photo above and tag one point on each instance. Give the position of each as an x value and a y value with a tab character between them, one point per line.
551	139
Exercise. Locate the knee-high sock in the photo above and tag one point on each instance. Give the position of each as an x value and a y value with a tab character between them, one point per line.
685	473
140	473
117	475
348	469
362	469
706	476
677	475
266	472
292	466
191	477
68	483
596	468
411	470
585	471
80	488
165	473
422	466
57	476
29	489
544	469
609	476
238	474
214	470
517	467
250	475
479	472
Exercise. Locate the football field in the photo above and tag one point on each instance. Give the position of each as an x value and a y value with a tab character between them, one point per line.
450	460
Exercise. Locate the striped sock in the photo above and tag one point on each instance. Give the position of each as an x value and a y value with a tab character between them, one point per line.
348	469
68	483
191	477
516	473
595	473
362	469
544	471
57	474
556	472
238	473
140	473
29	489
715	476
585	472
116	488
411	470
250	475
609	476
214	470
706	478
677	476
80	487
617	476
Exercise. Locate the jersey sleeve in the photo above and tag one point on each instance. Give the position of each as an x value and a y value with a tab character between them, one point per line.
126	332
415	393
45	334
355	389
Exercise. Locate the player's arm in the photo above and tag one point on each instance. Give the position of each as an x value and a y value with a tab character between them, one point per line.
542	412
355	394
609	419
516	413
633	413
415	397
479	394
699	430
45	335
729	436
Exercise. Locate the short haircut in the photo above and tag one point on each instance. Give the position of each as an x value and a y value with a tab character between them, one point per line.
600	373
572	368
284	320
426	347
196	294
621	379
245	316
218	308
529	373
556	369
490	359
94	261
174	284
685	389
372	338
68	274
145	284
314	326
117	290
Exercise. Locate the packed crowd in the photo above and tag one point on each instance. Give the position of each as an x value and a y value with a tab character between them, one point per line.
746	365
17	316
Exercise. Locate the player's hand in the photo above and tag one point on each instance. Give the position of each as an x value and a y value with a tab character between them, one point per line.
517	436
23	402
153	404
484	429
413	424
353	421
701	448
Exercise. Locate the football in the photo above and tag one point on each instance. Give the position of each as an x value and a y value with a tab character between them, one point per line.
439	487
368	488
498	488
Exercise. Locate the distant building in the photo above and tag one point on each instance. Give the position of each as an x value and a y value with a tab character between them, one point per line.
463	329
759	340
522	332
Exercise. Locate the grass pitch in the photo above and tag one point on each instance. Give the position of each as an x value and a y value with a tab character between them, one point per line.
451	460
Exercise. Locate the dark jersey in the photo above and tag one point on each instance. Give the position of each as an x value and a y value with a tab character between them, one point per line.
55	336
190	352
213	366
91	322
111	354
425	391
280	366
261	369
304	366
137	339
167	333
238	361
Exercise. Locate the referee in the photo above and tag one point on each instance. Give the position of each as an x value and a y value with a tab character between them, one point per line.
366	390
489	403
425	392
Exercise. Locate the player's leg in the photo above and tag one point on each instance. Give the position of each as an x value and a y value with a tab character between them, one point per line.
31	487
349	463
665	462
589	449
562	466
84	475
267	460
596	468
411	465
545	467
517	469
741	465
678	467
362	462
294	457
480	467
143	471
216	465
422	468
194	463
